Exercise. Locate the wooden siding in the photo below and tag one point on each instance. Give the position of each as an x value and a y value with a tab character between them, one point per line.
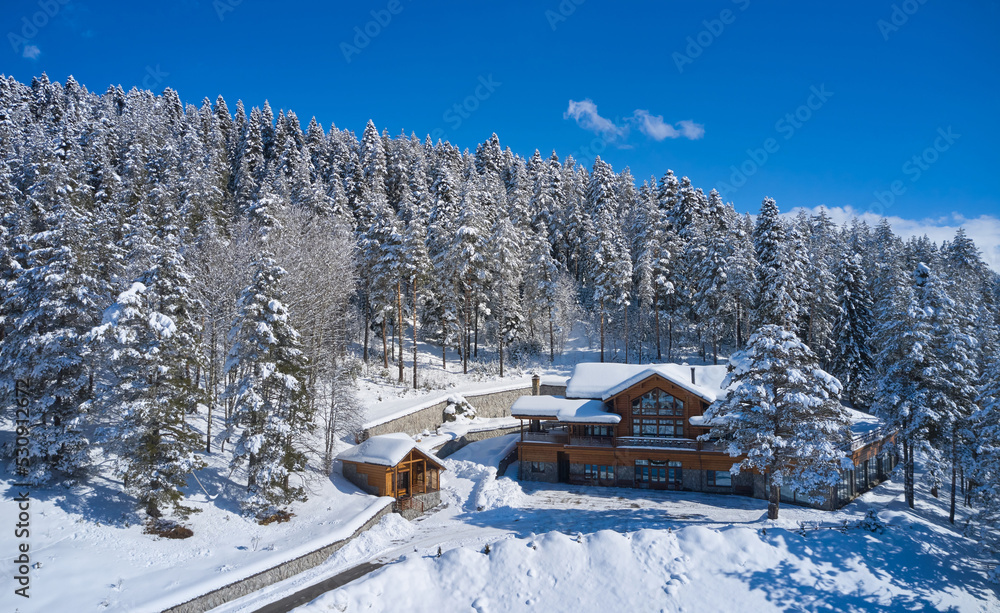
622	404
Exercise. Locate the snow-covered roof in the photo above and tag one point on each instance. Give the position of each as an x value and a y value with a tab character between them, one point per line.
563	409
597	380
384	450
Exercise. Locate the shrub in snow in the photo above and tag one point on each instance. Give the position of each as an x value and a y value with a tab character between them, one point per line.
872	522
994	574
458	406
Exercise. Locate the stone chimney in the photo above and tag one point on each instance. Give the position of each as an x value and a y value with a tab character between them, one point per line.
536	385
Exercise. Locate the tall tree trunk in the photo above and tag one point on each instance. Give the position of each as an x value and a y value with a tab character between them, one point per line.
656	316
670	338
414	334
773	502
500	346
399	328
908	473
626	333
739	325
465	351
954	475
364	351
552	339
475	317
602	331
385	346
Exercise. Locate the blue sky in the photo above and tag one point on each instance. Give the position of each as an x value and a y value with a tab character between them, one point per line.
879	107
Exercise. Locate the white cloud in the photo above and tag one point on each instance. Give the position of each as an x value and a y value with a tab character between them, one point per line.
690	129
31	52
984	230
654	127
586	116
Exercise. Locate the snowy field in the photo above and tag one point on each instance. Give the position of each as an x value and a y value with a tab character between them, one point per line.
572	548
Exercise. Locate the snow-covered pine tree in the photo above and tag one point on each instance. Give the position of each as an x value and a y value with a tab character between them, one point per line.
505	245
611	268
951	374
710	243
741	277
784	415
49	307
852	361
984	460
904	337
268	393
779	270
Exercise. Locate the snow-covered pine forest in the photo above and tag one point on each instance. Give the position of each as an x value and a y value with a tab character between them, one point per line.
180	280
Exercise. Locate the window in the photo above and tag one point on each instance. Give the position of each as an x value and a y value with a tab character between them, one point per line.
651	414
537	467
667	428
657	402
674	474
598	431
594	472
642	471
719	478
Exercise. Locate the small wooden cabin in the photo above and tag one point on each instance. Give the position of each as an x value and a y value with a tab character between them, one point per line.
392	465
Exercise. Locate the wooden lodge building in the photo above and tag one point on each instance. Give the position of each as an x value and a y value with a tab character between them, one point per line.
393	465
632	425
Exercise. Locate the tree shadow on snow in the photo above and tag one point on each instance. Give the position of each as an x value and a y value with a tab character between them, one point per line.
907	558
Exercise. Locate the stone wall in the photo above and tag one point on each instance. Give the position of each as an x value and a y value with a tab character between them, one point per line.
416	505
273	575
471	437
490	404
549	474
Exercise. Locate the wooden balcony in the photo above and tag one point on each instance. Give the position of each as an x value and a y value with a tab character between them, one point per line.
559	438
687	444
592	441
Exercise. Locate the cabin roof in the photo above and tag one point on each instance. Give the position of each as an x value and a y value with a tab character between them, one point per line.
385	450
574	410
604	381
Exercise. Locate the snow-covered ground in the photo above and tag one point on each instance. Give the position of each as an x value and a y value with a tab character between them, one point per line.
574	548
91	556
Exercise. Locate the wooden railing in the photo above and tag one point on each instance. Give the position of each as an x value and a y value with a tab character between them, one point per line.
667	443
592	441
560	438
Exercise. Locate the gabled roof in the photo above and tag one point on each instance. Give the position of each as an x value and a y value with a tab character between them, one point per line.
565	410
604	381
386	450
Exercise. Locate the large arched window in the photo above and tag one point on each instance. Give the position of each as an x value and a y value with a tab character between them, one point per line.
653	413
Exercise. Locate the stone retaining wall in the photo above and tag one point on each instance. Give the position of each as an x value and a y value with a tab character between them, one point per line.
273	575
490	404
454	445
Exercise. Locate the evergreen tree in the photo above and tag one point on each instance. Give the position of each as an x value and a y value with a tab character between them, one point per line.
784	415
268	393
852	360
